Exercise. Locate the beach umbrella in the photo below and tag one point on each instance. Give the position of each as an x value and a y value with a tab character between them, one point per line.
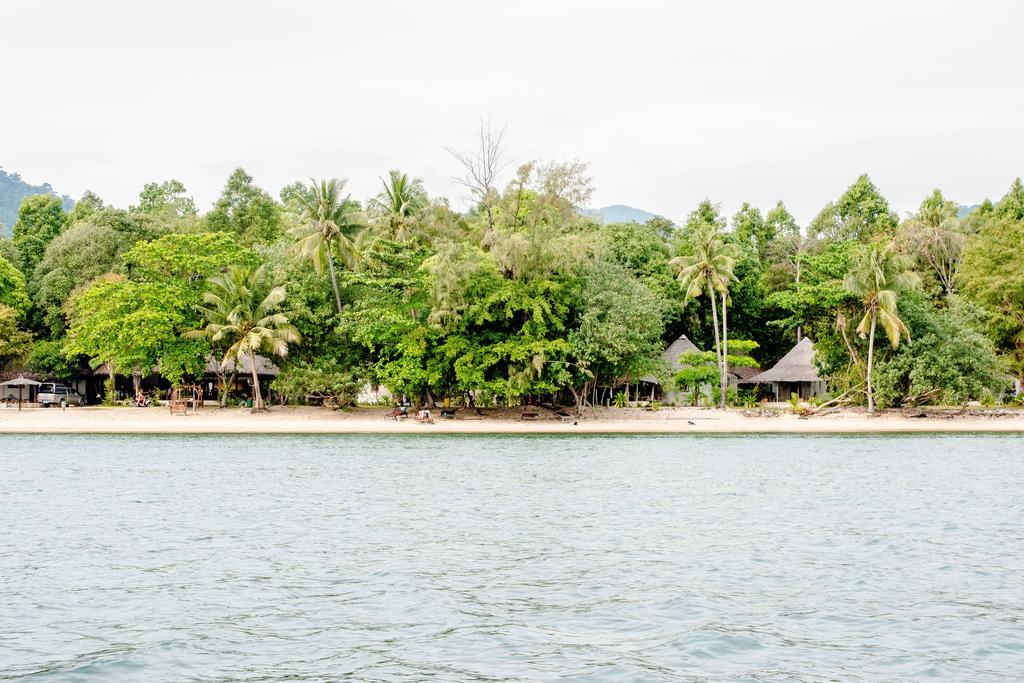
21	382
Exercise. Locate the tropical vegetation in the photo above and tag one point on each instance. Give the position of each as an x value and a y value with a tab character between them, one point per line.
523	295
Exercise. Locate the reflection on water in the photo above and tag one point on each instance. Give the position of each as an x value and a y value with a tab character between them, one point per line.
508	558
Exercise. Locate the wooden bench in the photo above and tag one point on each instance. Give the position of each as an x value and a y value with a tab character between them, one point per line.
531	415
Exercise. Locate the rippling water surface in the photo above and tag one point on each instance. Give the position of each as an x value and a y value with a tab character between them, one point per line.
511	558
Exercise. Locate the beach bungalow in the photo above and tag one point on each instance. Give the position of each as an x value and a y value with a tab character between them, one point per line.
650	387
795	373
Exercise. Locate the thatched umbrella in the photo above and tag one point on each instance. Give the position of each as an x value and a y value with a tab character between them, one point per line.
20	383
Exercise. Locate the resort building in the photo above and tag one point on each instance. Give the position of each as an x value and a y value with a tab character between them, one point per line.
650	387
795	373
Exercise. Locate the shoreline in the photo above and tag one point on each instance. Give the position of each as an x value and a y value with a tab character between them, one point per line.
315	420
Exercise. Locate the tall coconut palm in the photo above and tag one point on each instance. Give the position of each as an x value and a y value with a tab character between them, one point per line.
877	276
709	270
328	222
398	207
243	314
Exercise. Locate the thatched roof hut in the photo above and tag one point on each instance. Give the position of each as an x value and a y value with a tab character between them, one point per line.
795	373
671	356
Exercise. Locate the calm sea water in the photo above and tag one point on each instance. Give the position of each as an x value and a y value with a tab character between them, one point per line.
511	558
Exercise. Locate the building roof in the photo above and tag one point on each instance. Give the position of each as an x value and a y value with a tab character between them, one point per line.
795	366
264	366
743	372
671	356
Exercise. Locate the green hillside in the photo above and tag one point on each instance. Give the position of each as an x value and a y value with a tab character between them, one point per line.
12	190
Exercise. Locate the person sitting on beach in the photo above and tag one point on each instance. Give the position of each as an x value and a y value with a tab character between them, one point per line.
423	415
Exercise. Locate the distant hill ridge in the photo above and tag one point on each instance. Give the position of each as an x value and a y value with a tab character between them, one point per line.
620	213
12	190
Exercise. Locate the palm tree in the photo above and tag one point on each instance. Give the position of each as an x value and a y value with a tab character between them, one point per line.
876	277
709	270
937	238
242	313
328	221
398	206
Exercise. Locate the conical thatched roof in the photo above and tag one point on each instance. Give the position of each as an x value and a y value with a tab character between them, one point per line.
795	366
671	356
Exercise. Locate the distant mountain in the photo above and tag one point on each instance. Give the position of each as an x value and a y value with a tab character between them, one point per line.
964	210
618	213
12	190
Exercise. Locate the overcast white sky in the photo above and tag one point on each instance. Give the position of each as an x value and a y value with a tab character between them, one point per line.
670	102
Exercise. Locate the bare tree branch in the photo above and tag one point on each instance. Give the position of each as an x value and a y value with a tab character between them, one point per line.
482	167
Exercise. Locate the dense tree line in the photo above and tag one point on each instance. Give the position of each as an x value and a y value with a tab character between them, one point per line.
523	295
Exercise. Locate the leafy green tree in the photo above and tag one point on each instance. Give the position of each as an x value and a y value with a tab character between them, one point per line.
389	320
9	252
85	207
47	358
948	361
127	325
1011	206
80	253
698	366
242	311
779	222
185	260
876	277
644	253
751	230
398	208
246	210
935	238
709	269
328	224
166	198
992	274
40	219
860	214
14	342
12	287
619	328
323	382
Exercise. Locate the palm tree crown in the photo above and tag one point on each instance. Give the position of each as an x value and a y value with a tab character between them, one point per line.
242	313
710	265
328	223
398	206
876	277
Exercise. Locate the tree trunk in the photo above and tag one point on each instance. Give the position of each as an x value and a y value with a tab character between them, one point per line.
724	376
334	279
871	360
257	393
718	337
799	330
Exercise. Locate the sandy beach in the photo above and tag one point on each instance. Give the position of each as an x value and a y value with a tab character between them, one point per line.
283	420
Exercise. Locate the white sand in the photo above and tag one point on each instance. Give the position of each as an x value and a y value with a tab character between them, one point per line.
279	420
